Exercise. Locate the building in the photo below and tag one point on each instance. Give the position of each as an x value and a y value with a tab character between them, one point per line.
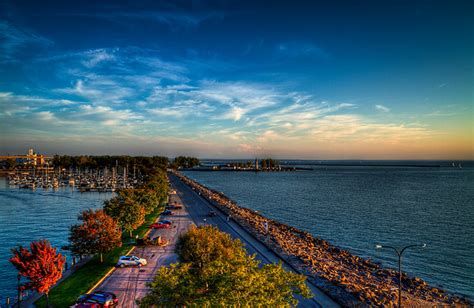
31	158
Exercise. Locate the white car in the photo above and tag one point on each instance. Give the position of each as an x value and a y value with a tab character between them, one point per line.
131	261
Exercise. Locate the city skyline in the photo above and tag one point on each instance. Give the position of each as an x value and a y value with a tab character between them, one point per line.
368	80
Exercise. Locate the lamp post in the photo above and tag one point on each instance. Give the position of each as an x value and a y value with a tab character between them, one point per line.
399	254
19	291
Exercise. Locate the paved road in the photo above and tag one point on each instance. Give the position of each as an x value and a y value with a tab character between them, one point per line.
130	283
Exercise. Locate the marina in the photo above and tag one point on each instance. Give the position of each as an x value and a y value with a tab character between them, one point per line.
100	180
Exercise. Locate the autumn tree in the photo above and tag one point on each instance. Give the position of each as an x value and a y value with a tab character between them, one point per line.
128	214
216	271
98	233
41	265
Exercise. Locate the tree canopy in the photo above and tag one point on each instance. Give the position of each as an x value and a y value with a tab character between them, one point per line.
127	213
185	162
98	233
142	163
42	265
215	270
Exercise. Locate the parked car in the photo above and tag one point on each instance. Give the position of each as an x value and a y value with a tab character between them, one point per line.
174	207
159	225
131	261
167	212
212	214
97	299
165	221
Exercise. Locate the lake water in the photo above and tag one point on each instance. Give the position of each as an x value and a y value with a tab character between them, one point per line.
357	207
27	215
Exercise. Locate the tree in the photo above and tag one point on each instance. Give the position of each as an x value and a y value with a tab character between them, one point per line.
41	265
10	164
127	213
143	196
216	271
201	246
185	162
98	233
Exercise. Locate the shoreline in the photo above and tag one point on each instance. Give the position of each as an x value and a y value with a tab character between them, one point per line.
349	279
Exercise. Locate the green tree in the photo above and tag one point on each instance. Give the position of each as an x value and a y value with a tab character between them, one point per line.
145	197
201	246
185	162
215	270
127	213
98	233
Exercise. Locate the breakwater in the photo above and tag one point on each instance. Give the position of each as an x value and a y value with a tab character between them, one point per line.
349	279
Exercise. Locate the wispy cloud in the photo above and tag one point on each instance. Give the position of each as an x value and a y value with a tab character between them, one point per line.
133	94
439	113
15	40
382	108
170	15
300	49
97	56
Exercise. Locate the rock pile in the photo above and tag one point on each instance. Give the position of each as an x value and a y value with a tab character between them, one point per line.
348	279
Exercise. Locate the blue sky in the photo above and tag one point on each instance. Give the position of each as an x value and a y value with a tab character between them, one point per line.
338	80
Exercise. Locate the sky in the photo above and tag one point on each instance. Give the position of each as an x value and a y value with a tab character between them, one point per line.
223	79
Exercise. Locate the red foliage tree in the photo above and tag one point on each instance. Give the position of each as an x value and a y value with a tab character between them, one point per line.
41	265
98	233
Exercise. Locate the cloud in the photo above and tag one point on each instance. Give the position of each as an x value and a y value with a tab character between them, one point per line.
235	113
267	136
15	39
439	113
97	56
382	108
339	128
171	15
136	95
300	49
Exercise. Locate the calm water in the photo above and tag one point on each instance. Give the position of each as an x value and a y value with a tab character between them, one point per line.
27	215
357	207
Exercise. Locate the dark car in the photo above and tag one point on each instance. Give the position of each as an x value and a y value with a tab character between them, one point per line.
165	221
212	214
167	212
97	299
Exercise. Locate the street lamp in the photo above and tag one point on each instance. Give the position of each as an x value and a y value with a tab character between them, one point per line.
19	291
399	253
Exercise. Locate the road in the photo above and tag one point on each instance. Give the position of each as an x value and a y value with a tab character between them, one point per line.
130	283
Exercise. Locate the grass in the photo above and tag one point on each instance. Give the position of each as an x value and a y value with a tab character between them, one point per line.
66	293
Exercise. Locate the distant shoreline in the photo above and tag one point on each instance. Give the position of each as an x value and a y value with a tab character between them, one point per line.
362	165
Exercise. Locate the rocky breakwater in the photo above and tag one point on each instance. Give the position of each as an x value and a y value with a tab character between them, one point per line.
348	279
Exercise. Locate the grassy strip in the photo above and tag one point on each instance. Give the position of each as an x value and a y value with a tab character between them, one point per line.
66	293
